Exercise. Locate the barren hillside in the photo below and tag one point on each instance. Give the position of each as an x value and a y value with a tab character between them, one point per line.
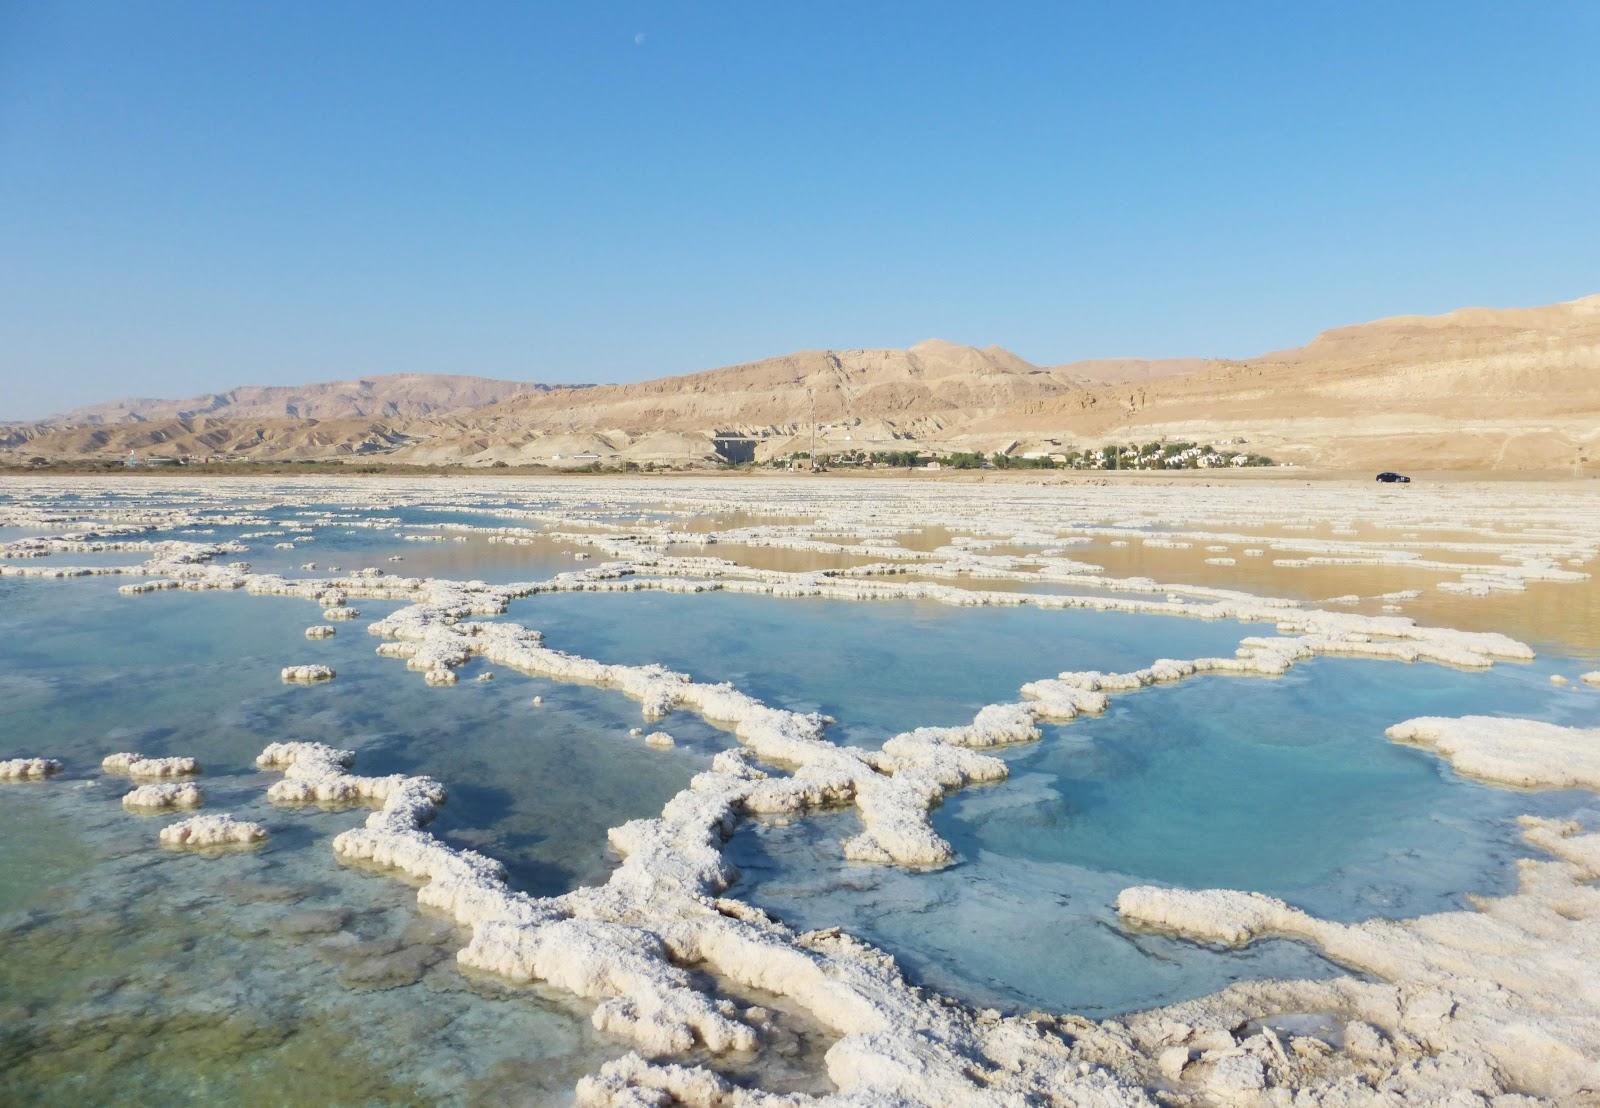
1497	388
1515	388
395	396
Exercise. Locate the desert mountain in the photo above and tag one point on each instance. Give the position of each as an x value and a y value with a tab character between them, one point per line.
1514	388
930	380
202	437
1511	388
1129	371
396	396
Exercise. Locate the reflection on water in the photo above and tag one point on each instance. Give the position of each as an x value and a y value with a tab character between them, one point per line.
1563	616
777	558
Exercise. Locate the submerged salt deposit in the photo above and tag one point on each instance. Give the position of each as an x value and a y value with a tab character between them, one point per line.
305	674
657	950
212	830
28	769
166	794
137	765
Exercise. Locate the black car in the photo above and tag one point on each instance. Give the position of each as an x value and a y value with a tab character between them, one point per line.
1394	478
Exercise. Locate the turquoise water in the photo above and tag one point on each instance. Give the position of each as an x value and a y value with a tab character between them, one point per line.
878	667
1282	786
197	673
138	975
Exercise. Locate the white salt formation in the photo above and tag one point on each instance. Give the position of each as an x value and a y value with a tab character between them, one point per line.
1461	996
138	766
320	631
1483	1007
166	794
28	769
213	830
1522	753
308	673
314	773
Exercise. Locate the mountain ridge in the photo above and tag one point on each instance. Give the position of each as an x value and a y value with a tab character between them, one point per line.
397	395
1475	387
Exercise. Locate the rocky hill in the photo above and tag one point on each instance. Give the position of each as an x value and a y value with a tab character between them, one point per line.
396	396
1515	388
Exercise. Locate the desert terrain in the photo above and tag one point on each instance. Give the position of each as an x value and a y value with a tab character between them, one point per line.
1480	389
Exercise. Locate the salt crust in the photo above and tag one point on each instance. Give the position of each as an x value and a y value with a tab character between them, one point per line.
1484	1001
28	769
630	940
212	830
165	794
1521	753
628	945
138	766
308	673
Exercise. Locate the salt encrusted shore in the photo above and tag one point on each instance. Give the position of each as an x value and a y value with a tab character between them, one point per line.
626	945
212	830
28	769
894	789
632	944
1469	1004
1522	753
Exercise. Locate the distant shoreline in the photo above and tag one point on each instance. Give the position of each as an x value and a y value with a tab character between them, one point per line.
1272	474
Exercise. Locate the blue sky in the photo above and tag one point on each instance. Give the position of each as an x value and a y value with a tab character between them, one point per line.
199	195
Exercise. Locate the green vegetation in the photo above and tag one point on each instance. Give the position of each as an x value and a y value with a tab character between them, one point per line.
1151	455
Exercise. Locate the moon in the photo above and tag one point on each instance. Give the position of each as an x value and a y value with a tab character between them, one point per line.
638	39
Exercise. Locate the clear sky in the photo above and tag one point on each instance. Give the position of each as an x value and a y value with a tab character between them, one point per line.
199	195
